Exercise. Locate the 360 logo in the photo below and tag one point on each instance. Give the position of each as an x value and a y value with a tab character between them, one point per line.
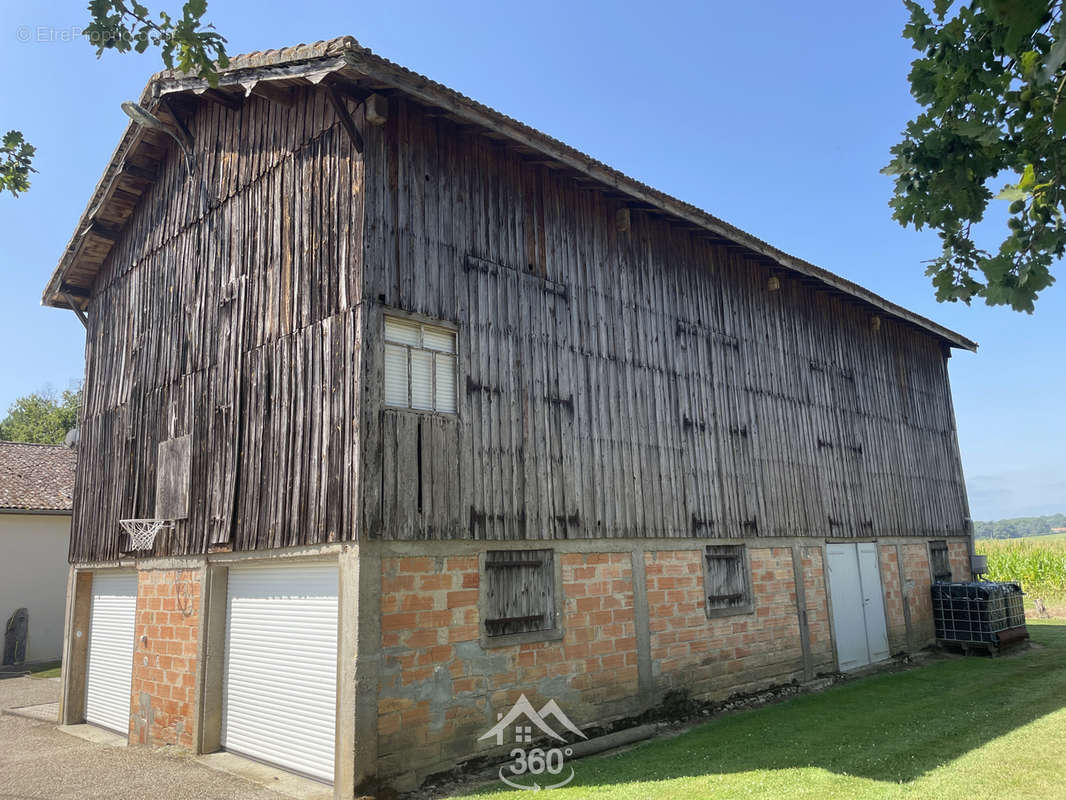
536	762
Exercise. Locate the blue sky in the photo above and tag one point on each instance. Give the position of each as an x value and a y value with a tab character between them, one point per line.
775	116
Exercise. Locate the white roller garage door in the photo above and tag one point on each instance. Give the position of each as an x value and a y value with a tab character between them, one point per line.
112	615
279	691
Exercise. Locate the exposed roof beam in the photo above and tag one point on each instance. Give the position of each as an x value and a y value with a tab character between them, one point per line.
339	105
77	310
150	174
102	230
230	101
281	95
74	291
184	134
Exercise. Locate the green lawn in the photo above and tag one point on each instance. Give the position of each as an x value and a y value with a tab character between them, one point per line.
961	728
50	670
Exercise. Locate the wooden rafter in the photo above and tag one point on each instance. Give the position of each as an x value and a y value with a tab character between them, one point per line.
336	99
275	94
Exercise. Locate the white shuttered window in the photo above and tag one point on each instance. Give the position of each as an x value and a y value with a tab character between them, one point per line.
420	366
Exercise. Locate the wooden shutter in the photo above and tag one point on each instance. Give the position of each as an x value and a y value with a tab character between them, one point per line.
939	561
173	460
726	578
520	591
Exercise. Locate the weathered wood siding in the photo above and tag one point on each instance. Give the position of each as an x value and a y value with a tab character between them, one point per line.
612	383
238	324
638	383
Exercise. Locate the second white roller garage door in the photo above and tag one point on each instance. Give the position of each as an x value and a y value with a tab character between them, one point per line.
279	688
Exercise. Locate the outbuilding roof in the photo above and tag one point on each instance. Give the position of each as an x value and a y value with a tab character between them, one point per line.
354	70
36	477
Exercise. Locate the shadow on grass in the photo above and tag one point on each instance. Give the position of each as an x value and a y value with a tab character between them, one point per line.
892	728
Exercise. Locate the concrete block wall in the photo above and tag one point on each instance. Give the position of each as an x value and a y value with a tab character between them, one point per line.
163	690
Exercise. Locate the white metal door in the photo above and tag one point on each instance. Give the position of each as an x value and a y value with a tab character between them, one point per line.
109	672
279	689
873	602
849	621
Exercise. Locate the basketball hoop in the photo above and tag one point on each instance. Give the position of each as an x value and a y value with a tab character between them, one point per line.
142	532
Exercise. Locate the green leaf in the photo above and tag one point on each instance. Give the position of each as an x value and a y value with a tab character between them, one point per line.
1012	193
941	7
1028	180
1029	61
979	131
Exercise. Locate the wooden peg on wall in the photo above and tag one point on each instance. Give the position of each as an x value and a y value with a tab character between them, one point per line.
377	109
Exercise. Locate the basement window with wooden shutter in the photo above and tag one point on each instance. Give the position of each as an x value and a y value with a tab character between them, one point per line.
519	592
725	580
420	366
939	561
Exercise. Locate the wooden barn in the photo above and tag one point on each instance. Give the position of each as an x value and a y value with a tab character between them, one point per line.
440	411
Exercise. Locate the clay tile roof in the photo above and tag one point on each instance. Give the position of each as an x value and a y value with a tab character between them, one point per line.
36	477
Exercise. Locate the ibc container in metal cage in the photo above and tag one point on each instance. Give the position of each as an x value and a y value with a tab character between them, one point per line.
978	613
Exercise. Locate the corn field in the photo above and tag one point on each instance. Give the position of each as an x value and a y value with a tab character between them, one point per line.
1038	563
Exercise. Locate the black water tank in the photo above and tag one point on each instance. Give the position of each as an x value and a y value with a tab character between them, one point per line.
977	612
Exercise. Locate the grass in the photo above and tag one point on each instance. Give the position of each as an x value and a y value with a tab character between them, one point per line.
958	728
1038	563
49	670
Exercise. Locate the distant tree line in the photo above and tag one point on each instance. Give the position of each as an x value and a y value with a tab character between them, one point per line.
1018	527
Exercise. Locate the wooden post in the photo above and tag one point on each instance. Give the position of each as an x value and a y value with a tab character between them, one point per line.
799	578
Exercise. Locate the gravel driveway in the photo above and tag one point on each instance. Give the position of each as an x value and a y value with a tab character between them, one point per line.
39	761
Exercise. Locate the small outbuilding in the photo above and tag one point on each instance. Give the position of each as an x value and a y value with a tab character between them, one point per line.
36	496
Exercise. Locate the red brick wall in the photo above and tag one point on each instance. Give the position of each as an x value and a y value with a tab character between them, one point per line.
819	630
919	600
601	640
893	592
717	657
959	555
163	693
440	690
